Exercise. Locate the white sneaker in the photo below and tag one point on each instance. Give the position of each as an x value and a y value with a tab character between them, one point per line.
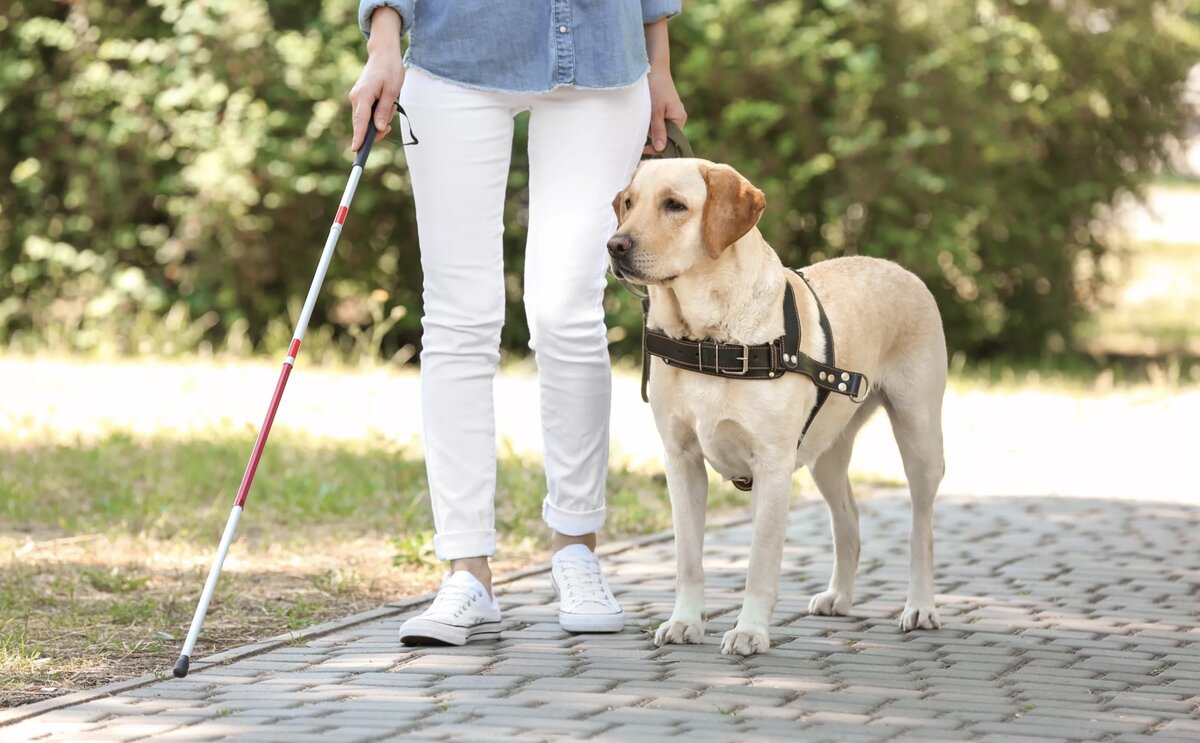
585	602
462	612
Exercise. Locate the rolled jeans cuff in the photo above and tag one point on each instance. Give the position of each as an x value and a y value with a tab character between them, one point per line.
460	544
572	523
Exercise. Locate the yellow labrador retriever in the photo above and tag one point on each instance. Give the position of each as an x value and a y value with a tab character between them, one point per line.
686	230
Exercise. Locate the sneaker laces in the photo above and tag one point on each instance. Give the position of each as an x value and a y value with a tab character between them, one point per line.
584	581
454	599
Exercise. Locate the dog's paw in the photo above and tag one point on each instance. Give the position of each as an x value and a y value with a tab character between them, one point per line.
830	604
679	632
917	616
741	641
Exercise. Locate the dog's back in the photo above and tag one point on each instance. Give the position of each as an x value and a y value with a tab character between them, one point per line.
893	328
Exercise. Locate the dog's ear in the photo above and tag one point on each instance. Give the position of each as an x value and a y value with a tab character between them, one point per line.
732	209
619	205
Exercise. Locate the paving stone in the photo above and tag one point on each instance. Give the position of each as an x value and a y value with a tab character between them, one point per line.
1191	726
922	734
155	692
479	682
1158	737
192	734
850	731
581	702
1059	699
129	730
552	685
542	726
619	674
909	719
1057	727
638	733
1023	737
658	716
40	729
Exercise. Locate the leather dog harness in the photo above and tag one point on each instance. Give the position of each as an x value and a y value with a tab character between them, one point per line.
760	361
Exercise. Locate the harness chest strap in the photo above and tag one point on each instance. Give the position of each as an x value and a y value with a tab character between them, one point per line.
760	361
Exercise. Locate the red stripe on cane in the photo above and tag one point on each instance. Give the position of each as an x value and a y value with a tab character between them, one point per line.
294	348
341	215
261	441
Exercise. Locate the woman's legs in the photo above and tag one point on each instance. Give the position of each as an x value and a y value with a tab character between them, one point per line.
583	148
584	145
459	173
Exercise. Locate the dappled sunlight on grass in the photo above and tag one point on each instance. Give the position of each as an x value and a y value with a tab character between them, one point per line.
182	489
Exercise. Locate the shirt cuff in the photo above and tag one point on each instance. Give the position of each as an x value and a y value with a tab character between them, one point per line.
367	7
656	10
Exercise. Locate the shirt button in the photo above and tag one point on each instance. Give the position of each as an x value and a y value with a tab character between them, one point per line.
562	29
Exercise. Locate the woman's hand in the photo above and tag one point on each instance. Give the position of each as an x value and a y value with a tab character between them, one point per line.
381	78
664	99
665	105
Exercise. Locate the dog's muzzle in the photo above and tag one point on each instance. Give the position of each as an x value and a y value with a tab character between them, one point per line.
619	248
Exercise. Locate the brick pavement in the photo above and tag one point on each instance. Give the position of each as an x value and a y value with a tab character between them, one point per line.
1065	619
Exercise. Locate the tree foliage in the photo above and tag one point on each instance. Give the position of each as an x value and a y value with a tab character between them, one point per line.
172	167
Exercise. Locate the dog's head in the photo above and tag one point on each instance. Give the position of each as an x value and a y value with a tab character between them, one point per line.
678	215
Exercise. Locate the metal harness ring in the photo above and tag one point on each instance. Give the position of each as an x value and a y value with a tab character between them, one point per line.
865	390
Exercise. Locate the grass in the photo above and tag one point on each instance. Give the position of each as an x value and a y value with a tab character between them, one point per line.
181	491
106	542
1076	373
1143	331
1154	308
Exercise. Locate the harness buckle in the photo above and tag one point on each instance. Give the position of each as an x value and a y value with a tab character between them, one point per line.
744	358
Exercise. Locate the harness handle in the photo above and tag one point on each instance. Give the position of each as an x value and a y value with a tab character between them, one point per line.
677	144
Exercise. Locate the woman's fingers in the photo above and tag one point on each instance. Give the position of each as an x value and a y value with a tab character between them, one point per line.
385	112
676	113
658	128
362	96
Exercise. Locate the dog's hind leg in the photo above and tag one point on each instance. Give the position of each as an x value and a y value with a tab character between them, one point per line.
772	491
831	473
917	424
687	482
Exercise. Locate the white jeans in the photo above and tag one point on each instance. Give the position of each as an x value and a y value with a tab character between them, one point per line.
583	147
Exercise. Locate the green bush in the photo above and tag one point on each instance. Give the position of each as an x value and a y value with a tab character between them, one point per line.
185	156
174	165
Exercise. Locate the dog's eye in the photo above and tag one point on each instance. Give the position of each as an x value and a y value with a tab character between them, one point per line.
628	203
672	205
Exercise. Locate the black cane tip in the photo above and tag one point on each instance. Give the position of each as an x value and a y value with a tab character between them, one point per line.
181	666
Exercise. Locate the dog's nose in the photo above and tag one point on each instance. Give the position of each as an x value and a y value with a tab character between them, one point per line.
619	245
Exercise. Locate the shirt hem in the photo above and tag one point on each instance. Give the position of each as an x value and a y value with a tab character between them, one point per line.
557	86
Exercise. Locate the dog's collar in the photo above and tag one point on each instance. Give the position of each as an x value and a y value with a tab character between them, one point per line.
760	361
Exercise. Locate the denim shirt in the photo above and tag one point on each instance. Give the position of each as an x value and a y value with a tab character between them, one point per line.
526	46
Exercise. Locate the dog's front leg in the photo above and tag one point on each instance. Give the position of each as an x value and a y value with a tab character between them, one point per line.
687	482
752	633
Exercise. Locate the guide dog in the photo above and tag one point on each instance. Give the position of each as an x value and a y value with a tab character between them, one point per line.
687	231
